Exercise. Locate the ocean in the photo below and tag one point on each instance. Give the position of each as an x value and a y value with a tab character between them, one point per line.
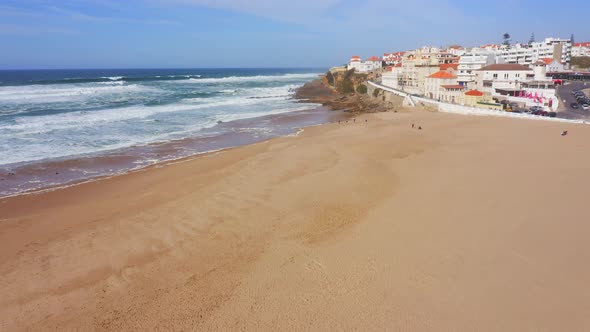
64	126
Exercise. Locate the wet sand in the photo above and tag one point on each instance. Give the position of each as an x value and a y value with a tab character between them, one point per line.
470	224
47	174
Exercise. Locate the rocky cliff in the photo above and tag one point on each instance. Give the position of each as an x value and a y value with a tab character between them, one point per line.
346	90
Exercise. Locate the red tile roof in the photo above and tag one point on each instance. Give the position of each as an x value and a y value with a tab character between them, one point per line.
476	93
446	66
455	86
586	44
547	61
442	74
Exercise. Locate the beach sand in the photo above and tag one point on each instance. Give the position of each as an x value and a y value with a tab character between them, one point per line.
471	224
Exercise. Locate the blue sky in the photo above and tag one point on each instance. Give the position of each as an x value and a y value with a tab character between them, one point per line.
261	33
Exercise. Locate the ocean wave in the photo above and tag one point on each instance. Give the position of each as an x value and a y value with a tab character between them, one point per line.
59	93
114	78
258	78
80	119
102	79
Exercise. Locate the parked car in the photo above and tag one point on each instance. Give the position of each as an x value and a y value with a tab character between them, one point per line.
574	105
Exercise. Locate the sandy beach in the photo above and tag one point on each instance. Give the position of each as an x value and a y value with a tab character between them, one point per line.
470	224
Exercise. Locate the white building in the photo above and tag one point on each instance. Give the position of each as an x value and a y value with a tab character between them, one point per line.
471	62
581	49
502	79
371	64
442	86
525	54
393	58
554	66
518	83
391	76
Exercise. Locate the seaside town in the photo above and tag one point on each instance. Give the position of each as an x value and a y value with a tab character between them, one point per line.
279	165
520	78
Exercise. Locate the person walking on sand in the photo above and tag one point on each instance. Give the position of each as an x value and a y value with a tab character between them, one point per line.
419	127
412	125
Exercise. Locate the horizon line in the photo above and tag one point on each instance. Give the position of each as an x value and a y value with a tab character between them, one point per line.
141	68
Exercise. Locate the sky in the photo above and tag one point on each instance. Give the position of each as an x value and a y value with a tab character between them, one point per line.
54	34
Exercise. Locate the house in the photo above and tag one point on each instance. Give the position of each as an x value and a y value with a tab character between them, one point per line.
581	49
450	67
472	61
391	76
369	65
472	97
554	66
502	79
442	86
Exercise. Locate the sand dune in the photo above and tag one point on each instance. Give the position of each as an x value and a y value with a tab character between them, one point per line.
471	224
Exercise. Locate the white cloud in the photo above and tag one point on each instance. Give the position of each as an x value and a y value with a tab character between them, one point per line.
104	19
24	30
292	11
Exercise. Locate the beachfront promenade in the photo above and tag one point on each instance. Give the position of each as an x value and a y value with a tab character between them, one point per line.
465	110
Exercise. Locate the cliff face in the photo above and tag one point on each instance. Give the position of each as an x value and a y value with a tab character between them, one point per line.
348	81
345	90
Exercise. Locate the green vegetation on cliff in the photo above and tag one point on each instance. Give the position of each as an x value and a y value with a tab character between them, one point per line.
581	62
362	89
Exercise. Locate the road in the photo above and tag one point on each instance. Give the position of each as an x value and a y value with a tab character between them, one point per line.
565	93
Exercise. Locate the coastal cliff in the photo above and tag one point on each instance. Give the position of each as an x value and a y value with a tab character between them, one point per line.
346	90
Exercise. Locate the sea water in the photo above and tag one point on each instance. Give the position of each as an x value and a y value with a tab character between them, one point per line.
52	116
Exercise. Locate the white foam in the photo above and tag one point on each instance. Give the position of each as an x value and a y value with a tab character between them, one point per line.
46	123
63	92
237	79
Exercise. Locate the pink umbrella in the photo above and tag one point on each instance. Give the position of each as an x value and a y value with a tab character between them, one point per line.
521	93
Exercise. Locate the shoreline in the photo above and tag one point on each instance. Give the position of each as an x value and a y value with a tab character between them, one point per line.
126	160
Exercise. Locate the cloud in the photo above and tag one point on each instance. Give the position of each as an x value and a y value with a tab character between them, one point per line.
23	30
291	11
13	11
104	19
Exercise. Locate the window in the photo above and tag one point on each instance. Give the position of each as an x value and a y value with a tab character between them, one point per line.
517	75
495	75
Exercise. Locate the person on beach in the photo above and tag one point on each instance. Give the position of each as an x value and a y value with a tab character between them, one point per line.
419	127
412	125
563	133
